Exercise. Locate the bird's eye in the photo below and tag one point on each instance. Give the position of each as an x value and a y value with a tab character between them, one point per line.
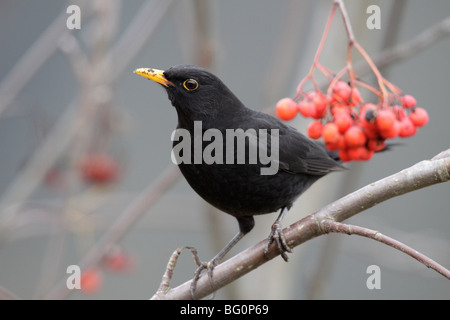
190	84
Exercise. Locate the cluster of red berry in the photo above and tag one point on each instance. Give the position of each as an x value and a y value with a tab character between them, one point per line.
348	125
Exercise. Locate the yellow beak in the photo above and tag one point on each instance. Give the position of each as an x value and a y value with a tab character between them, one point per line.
155	75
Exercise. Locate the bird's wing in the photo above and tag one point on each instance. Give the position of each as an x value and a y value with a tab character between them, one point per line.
297	153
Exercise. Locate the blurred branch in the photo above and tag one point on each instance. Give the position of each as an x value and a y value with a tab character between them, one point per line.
137	34
135	210
66	128
420	175
408	48
7	295
33	59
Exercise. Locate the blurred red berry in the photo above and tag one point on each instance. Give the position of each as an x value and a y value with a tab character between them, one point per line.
355	97
319	102
419	117
343	155
99	168
330	133
408	101
360	154
306	108
286	109
368	112
385	119
399	112
343	120
355	137
341	91
118	261
392	132
91	281
407	128
376	144
370	129
339	107
315	130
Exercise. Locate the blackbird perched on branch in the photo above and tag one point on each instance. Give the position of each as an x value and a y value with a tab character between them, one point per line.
238	185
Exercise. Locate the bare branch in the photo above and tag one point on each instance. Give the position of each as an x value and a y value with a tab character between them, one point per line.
420	175
333	226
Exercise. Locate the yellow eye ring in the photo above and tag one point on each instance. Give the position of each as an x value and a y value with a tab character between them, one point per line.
190	84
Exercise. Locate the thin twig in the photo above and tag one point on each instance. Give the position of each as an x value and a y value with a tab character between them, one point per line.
333	226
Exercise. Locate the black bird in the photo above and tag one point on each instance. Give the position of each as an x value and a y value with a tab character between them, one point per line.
240	189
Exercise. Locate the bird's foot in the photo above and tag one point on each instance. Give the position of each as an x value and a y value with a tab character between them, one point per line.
209	267
277	236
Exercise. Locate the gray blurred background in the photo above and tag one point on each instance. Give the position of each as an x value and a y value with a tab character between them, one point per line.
64	93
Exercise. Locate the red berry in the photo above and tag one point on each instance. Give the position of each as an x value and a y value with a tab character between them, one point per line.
355	137
392	132
360	153
306	108
370	129
399	112
407	128
408	101
286	109
368	112
91	281
330	133
339	144
343	120
367	154
385	119
419	117
341	91
343	155
99	168
315	129
118	261
339	107
376	145
320	103
355	97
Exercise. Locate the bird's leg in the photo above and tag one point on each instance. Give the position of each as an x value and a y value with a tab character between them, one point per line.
245	225
210	265
277	236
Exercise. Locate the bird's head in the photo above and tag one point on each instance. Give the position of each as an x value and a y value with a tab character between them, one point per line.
196	93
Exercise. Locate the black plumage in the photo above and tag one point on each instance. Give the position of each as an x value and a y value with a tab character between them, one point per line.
240	189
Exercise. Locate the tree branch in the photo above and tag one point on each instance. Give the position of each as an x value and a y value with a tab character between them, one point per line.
333	226
420	175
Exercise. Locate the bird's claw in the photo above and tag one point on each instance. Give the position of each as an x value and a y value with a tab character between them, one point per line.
209	266
277	236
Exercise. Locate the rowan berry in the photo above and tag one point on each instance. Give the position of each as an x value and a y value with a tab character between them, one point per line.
286	109
315	129
419	117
